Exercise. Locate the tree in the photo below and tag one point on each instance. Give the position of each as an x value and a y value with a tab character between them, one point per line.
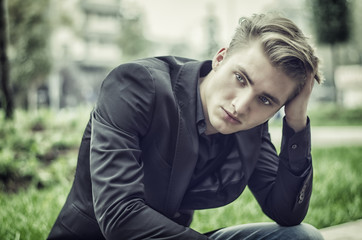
332	26
29	34
6	96
132	42
331	19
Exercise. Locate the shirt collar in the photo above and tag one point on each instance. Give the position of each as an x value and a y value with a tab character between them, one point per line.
200	117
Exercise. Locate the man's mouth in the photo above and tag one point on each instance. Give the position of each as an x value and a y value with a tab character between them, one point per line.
231	116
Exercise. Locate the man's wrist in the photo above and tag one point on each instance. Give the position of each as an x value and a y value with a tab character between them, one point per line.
296	124
295	149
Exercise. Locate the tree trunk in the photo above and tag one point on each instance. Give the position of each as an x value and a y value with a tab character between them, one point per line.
335	63
6	96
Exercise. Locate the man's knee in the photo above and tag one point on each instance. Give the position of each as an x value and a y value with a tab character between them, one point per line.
304	231
267	231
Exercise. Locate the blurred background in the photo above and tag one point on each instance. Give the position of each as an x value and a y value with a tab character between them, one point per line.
55	54
60	51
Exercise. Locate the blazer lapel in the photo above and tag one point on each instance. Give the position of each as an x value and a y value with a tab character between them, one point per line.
248	144
185	158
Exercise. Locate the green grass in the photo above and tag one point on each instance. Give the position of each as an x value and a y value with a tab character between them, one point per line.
38	153
331	115
29	214
337	194
38	156
336	198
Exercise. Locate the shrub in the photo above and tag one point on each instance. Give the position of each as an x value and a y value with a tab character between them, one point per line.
32	143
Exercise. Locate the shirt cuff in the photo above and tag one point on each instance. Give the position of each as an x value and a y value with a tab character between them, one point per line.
296	148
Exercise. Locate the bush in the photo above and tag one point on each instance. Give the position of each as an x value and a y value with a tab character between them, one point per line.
32	143
333	115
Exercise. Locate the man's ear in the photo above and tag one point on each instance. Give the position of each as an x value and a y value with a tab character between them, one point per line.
218	58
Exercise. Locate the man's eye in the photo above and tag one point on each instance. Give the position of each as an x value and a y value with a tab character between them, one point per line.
240	78
264	100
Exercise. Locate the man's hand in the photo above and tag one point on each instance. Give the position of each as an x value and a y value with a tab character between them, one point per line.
296	109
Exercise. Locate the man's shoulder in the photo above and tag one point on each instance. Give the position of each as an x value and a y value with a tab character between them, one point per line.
164	62
161	63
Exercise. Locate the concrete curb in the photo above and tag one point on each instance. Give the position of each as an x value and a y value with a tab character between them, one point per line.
346	231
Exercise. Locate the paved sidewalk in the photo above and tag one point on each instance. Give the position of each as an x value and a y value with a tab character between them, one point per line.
327	136
346	231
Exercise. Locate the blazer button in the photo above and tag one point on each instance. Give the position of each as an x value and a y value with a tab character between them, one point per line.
302	194
301	198
294	146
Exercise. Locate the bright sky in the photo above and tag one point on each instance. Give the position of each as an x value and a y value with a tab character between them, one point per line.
171	20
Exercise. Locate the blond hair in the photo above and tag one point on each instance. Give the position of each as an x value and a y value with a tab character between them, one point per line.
283	42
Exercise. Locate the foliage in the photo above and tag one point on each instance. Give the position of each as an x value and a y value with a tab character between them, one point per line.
332	25
32	148
6	98
132	41
29	33
331	20
334	115
38	153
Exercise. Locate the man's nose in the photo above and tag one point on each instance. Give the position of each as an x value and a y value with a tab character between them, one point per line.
242	103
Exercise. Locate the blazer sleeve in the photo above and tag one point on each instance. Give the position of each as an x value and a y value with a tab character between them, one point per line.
120	119
283	184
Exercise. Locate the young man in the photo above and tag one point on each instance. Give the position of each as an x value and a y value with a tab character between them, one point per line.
170	135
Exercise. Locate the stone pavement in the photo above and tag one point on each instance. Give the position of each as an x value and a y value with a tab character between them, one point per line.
330	137
346	231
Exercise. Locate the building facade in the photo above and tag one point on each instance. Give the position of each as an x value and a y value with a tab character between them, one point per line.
84	48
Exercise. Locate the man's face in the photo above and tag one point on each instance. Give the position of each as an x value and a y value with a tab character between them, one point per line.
243	90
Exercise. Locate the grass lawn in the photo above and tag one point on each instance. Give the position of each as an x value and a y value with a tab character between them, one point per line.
337	198
29	214
38	156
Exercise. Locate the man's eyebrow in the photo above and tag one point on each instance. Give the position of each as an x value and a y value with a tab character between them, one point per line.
251	82
243	71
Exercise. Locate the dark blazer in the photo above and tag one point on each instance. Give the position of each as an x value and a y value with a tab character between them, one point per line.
139	152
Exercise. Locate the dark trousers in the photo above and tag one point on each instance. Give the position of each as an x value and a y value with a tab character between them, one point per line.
267	231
